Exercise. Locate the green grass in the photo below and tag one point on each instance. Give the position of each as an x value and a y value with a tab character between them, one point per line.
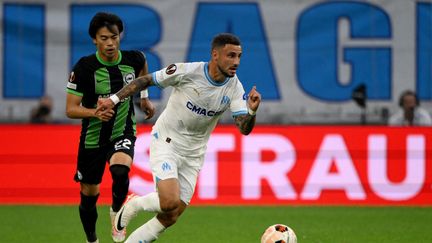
231	224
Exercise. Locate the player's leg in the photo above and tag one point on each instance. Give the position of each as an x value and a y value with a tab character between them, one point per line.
171	206
120	162
152	229
87	210
90	168
174	195
134	204
119	167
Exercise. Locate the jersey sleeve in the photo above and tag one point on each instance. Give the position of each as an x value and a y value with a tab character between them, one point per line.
238	104
170	75
140	59
76	82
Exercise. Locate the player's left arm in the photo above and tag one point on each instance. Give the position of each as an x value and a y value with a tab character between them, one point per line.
246	123
145	104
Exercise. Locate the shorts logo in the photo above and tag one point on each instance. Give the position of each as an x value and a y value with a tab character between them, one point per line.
171	69
79	175
123	144
166	166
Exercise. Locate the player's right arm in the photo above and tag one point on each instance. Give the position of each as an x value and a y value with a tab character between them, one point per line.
75	90
133	87
136	85
168	76
75	110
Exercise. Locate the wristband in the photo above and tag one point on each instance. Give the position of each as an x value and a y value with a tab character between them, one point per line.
115	99
144	93
251	112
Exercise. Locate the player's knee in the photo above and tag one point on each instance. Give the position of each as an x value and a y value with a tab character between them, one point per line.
169	204
172	219
88	202
168	219
119	172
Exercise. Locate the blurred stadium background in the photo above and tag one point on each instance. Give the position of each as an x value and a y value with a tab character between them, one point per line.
316	142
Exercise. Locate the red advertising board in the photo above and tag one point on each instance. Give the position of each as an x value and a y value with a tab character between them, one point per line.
274	165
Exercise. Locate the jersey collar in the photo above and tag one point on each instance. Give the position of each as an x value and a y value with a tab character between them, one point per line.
213	82
109	63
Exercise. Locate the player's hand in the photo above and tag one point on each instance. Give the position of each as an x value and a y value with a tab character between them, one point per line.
105	116
147	107
104	110
254	99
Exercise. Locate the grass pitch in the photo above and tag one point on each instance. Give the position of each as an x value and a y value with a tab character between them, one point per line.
231	224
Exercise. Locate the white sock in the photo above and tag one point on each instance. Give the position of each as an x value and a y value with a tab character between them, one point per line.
150	202
147	232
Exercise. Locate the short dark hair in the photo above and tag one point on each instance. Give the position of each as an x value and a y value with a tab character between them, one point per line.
222	39
408	93
104	19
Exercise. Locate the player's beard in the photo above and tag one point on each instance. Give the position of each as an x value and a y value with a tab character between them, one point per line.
224	73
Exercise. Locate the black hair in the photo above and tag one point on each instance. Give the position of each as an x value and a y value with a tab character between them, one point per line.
222	39
406	93
104	19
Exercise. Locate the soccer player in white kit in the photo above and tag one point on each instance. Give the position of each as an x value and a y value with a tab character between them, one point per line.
201	93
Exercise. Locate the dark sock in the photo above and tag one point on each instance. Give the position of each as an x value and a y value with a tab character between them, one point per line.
88	214
120	185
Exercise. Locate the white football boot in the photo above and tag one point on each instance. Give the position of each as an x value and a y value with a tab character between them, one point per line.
127	212
117	235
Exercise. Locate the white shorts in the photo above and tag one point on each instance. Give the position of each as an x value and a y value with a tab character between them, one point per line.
166	163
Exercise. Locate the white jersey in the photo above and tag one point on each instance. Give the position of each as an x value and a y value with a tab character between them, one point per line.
421	118
195	105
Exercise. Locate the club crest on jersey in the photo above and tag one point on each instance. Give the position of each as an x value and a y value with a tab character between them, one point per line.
171	69
225	100
128	78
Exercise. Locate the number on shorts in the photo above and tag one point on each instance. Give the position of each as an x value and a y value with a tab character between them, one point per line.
122	144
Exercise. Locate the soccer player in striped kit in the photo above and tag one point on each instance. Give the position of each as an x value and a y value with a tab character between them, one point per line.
109	136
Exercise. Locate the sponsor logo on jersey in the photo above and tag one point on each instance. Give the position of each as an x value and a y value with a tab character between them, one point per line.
201	111
171	69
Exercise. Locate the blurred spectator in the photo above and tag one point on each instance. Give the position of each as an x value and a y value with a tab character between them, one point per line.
410	112
42	112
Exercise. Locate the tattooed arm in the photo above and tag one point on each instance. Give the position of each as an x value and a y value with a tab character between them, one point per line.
246	123
136	85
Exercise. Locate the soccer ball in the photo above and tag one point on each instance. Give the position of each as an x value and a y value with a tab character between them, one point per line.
279	233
